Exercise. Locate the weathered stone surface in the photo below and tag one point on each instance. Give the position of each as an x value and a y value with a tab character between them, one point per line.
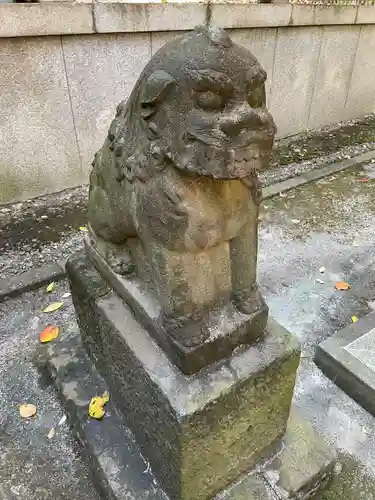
127	17
183	424
360	97
246	15
347	358
174	192
295	61
223	329
34	19
251	487
304	465
37	129
333	73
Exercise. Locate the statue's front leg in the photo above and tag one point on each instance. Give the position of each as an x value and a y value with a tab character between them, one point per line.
106	233
243	257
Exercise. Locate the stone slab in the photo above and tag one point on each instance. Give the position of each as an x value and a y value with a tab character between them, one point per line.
118	467
361	99
65	17
35	19
304	466
30	280
227	15
224	328
148	17
333	74
182	423
347	358
294	68
38	147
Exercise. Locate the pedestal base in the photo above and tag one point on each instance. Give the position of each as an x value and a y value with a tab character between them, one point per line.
348	358
301	465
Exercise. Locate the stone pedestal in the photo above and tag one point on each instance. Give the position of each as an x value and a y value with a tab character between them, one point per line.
223	433
199	433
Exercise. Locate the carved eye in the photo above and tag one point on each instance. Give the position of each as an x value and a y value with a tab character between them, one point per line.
209	100
257	97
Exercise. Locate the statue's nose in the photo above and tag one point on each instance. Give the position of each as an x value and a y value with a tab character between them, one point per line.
245	117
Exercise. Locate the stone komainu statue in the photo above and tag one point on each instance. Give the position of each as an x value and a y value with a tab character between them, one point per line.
174	193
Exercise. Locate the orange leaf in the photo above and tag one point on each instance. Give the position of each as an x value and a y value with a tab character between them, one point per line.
49	333
342	286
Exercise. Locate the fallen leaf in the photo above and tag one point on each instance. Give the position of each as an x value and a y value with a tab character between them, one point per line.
96	407
83	228
62	420
53	307
296	221
66	295
321	282
51	287
27	410
342	286
354	319
364	179
51	433
49	333
322	270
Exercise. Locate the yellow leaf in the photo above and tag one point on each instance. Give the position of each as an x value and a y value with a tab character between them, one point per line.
83	228
96	407
342	286
53	307
51	287
27	410
49	333
354	319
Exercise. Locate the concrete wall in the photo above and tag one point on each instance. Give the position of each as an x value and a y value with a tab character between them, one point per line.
64	67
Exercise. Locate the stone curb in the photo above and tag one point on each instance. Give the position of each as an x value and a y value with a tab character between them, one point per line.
31	280
48	18
314	175
35	278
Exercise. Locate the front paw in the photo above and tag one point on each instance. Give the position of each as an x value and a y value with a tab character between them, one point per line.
121	263
250	303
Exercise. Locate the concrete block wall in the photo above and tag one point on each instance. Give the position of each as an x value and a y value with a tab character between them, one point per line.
65	66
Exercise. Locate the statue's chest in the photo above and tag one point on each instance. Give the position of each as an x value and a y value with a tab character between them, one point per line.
217	210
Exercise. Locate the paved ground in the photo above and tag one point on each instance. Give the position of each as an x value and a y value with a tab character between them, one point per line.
328	224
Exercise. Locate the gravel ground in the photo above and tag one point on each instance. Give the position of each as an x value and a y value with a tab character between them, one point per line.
32	466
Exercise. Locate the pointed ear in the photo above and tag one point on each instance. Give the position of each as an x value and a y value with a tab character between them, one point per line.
155	90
